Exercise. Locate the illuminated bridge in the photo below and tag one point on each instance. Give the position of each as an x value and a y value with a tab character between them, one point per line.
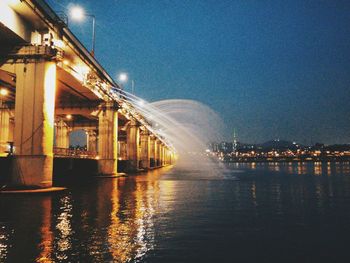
50	86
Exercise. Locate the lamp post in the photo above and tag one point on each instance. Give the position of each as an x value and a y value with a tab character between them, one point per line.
133	87
78	14
123	77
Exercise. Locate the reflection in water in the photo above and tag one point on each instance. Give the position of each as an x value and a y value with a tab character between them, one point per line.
109	220
131	230
4	242
63	229
254	194
299	168
186	216
45	246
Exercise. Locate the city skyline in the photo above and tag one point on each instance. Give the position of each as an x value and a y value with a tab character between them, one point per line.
270	70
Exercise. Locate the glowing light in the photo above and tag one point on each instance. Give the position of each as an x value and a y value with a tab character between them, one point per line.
65	62
77	13
123	77
4	92
68	116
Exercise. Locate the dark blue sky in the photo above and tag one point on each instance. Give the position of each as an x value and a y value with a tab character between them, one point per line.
271	69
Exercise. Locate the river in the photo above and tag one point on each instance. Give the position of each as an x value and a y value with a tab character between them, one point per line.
258	212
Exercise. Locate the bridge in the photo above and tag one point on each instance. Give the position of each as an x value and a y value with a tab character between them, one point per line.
50	86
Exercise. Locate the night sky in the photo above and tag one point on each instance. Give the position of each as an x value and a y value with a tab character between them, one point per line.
270	69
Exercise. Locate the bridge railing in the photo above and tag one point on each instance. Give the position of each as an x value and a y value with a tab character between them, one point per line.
74	153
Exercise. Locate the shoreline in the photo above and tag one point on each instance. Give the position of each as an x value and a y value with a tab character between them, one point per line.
287	160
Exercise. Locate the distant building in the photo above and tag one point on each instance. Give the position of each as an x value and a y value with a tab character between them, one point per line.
225	147
234	145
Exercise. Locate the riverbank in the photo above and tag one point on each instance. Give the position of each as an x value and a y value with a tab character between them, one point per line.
288	159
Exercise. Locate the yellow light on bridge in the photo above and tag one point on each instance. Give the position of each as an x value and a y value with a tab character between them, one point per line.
68	116
4	92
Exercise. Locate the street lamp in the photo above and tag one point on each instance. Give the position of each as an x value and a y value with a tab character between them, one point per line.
78	14
123	77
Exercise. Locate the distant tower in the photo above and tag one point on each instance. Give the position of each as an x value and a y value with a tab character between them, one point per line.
234	145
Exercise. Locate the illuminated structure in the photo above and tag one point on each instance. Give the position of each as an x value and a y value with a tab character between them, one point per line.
234	144
52	85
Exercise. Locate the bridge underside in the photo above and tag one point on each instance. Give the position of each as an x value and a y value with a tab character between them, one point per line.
52	87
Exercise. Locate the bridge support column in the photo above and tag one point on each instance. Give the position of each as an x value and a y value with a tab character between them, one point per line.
165	162
145	149
170	157
161	155
165	156
108	139
122	150
158	153
62	134
133	137
152	148
34	123
91	141
4	128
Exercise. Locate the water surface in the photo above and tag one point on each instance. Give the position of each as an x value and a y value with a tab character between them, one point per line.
267	212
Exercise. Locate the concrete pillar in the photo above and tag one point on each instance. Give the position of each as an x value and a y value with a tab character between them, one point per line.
145	149
161	155
133	137
34	123
152	147
91	141
158	152
62	134
4	128
108	139
122	150
165	156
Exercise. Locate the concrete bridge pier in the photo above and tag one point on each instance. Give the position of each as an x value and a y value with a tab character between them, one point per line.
169	155
108	139
133	141
165	159
152	152
91	140
62	134
34	123
158	153
5	128
163	155
122	150
145	150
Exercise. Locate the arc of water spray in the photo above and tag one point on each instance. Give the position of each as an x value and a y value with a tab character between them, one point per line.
180	135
